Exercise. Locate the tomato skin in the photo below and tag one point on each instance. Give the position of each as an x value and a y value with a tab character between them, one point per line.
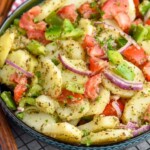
113	7
19	91
21	86
37	35
86	11
68	12
146	71
117	9
92	87
123	20
134	55
92	47
111	111
34	30
147	22
68	97
97	65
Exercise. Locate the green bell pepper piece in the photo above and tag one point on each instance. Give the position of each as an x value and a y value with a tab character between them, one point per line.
114	57
7	98
144	7
27	100
124	71
36	48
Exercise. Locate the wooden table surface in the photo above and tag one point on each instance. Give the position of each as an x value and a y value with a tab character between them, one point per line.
5	6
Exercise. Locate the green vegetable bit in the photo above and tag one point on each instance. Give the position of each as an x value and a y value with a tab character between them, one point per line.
121	67
70	31
34	90
36	48
7	98
20	115
114	57
124	71
54	19
53	33
144	7
27	100
139	32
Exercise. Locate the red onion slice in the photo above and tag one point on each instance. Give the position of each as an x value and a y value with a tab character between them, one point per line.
28	74
126	36
124	47
130	125
140	130
124	84
73	68
116	107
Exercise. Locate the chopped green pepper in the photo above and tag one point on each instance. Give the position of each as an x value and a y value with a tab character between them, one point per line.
121	67
20	115
34	91
114	57
124	71
7	98
27	100
36	48
73	87
139	32
70	31
144	7
54	19
53	33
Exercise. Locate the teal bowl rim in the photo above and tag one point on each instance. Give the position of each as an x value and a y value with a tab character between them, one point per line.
130	142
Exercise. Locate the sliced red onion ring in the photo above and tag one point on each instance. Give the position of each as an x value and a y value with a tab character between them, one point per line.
116	107
124	84
130	125
28	74
19	110
126	36
140	130
124	47
72	68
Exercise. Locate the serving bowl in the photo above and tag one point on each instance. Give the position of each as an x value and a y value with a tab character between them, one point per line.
24	7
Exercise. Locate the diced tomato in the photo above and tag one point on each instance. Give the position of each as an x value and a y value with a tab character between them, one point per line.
88	42
147	22
37	35
95	51
86	10
19	91
92	47
34	11
123	20
146	71
97	65
34	30
110	109
135	55
68	97
147	114
19	79
118	10
21	87
92	87
136	3
112	7
68	12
